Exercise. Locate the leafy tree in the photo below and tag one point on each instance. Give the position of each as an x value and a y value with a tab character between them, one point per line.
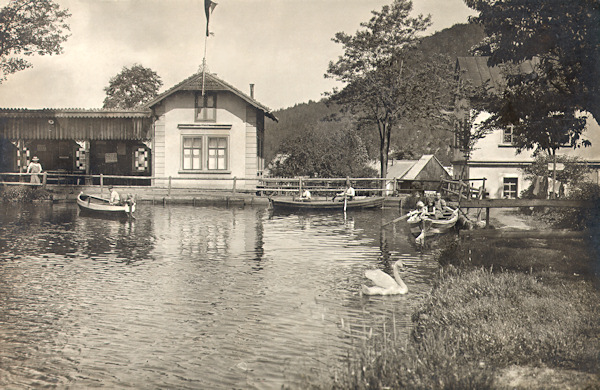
386	78
564	35
323	152
29	27
132	87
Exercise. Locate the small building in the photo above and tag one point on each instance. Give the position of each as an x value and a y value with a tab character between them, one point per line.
423	174
495	156
206	133
77	141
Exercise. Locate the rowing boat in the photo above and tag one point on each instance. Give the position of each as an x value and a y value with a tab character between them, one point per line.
365	202
430	225
96	205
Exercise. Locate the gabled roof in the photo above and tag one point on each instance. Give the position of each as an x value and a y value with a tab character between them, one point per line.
399	167
211	83
476	70
410	169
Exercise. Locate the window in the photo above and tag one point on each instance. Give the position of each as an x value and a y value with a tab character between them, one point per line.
507	137
510	188
206	107
217	153
192	153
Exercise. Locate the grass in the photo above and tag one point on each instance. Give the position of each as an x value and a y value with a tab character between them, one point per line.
24	194
494	305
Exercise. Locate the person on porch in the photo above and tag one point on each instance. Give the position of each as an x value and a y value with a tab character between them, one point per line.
35	168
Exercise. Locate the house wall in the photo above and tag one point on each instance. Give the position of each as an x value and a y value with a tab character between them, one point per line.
176	117
494	160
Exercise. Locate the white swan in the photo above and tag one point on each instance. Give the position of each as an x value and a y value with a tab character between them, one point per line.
384	283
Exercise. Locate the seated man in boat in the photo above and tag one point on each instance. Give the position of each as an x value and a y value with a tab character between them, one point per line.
421	211
306	196
348	193
115	198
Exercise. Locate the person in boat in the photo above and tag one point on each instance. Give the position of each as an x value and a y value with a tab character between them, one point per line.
306	195
115	198
35	168
348	193
439	206
421	210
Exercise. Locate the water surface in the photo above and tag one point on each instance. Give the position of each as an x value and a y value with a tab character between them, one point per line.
193	297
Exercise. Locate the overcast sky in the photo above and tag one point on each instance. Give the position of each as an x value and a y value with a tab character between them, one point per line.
281	46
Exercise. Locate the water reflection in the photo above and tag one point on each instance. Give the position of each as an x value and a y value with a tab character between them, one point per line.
192	297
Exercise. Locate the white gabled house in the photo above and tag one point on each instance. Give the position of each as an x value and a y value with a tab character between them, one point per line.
204	128
495	157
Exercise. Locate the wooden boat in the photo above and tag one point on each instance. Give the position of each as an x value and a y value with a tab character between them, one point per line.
96	205
432	225
360	202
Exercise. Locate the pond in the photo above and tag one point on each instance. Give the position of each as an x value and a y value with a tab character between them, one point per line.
193	297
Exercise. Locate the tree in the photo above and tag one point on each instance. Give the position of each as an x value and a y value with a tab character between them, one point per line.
323	151
561	42
386	78
132	87
564	35
29	27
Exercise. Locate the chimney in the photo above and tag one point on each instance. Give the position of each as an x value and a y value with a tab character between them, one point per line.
252	91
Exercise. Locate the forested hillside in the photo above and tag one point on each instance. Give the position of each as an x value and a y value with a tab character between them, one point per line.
413	139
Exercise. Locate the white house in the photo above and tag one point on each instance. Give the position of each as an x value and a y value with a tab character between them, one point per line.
206	133
495	157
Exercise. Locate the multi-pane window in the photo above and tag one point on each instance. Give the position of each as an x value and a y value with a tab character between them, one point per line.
206	107
507	137
192	153
217	153
510	187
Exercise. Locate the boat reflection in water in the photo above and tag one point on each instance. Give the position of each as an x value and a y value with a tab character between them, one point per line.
192	297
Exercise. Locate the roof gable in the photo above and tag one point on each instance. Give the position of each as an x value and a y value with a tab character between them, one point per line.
211	83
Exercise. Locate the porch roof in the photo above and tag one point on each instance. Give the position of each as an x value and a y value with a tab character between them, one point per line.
76	124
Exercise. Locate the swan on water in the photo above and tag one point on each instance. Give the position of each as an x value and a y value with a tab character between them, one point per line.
384	283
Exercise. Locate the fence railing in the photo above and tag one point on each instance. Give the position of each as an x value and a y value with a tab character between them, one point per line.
259	185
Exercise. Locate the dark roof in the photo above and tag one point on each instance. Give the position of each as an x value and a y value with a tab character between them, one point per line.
71	123
72	113
479	72
211	83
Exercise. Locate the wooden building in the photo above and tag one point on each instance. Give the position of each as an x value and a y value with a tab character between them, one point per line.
423	174
77	141
207	133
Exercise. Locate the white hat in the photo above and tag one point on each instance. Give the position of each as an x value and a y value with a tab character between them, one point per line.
420	204
35	158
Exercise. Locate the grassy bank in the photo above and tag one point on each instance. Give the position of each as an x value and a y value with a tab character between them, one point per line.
498	307
24	194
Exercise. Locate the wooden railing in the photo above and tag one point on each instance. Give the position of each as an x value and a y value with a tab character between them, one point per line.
464	189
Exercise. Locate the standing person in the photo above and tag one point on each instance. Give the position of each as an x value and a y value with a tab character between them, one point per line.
35	168
115	198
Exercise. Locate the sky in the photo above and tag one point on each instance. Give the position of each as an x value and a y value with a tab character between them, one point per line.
283	47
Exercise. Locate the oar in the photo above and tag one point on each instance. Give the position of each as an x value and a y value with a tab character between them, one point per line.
396	220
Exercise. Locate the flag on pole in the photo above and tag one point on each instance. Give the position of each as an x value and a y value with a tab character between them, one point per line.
209	6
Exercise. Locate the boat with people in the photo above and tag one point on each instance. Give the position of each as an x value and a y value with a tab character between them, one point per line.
96	205
357	202
424	224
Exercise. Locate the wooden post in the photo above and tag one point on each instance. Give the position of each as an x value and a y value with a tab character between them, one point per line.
487	217
101	183
300	187
44	179
234	184
169	188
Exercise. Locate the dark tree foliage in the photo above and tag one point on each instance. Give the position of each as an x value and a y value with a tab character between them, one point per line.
322	152
29	27
562	41
132	87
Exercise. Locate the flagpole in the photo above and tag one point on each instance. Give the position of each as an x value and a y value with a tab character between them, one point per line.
204	64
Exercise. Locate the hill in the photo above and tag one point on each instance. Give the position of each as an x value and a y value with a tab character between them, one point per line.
424	138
